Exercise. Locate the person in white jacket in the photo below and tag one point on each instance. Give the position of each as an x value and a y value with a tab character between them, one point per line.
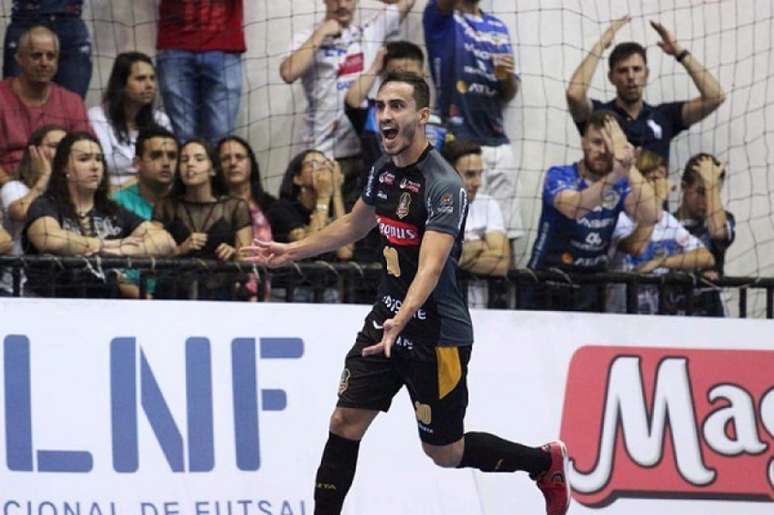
127	107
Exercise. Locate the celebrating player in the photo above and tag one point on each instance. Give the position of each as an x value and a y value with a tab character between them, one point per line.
419	332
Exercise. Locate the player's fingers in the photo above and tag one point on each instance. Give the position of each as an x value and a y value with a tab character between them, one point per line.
373	349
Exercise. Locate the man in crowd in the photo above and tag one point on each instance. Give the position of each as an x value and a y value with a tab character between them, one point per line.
328	59
581	204
648	126
63	17
702	212
31	100
156	161
485	250
471	59
199	65
420	328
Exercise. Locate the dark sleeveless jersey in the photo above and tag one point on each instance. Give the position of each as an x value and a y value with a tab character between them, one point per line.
426	196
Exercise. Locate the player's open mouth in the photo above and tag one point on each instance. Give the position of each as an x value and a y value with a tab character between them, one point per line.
389	133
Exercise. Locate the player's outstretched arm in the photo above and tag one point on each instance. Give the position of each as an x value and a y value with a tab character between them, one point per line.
347	229
577	92
711	94
433	254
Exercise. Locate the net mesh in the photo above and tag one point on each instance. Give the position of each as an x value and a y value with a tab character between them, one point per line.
732	39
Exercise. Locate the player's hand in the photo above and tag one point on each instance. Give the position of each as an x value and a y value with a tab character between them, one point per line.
196	241
668	42
391	330
225	252
615	26
267	253
330	27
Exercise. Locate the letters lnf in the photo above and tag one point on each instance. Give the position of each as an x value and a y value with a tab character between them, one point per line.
130	390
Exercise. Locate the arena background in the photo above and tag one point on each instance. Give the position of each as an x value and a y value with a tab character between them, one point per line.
733	39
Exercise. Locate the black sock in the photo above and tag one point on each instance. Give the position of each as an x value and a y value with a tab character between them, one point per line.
489	453
335	474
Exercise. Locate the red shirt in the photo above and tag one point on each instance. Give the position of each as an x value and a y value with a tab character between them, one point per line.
201	25
18	121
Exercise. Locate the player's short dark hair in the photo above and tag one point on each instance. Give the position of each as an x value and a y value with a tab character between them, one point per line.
403	50
421	89
458	148
598	119
624	50
153	131
690	177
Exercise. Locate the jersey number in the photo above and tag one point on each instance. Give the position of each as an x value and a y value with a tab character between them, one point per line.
391	258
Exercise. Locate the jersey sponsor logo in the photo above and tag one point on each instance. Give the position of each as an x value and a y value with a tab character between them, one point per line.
387	178
404	204
670	423
352	64
398	233
406	184
404	343
585	262
394	305
596	223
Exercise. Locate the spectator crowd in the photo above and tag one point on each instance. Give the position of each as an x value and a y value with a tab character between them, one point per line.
131	178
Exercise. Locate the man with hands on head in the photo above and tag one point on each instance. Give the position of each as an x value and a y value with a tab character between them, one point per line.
581	204
419	332
648	126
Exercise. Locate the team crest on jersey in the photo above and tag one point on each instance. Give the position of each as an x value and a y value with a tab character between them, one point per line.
403	205
406	184
610	199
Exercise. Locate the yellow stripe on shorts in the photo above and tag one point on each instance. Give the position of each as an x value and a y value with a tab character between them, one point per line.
449	369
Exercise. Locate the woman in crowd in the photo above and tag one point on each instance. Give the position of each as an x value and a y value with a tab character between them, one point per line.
127	107
241	176
77	218
34	172
655	249
204	222
310	199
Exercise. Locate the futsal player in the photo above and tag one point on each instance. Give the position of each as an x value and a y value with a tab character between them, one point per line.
419	332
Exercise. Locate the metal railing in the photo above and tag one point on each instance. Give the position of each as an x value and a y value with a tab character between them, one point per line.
315	281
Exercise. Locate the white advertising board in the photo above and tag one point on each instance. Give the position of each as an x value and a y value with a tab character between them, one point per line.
167	408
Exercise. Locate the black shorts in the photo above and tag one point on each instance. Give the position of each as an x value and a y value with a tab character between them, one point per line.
436	379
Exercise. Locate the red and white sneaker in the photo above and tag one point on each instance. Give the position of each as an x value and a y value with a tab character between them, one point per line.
553	482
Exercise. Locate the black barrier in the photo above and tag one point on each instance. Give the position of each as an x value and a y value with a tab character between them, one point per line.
346	282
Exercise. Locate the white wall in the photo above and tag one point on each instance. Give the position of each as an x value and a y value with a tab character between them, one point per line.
732	38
